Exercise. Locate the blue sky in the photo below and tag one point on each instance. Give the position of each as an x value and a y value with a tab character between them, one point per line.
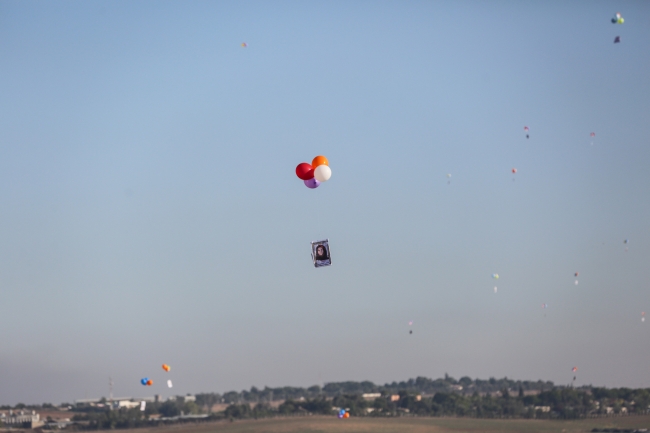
151	213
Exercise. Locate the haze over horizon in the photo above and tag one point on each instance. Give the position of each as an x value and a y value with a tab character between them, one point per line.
151	212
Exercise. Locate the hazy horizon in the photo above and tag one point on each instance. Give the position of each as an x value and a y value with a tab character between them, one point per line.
151	211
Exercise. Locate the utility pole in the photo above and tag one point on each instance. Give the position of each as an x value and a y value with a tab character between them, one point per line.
110	393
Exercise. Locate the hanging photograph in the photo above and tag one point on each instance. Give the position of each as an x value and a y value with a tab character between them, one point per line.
320	253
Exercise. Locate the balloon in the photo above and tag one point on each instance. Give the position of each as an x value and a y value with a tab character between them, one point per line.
625	241
593	134
620	21
149	382
576	274
347	415
322	173
514	170
495	289
244	44
144	380
166	367
575	282
340	416
495	276
410	322
342	411
169	383
617	39
312	183
448	175
526	128
304	171
319	160
574	369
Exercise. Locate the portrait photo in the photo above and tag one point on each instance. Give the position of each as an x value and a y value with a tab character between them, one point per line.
320	253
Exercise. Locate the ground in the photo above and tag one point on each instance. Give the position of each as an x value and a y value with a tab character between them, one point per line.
322	424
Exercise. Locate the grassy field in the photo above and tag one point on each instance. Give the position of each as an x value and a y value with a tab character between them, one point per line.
320	424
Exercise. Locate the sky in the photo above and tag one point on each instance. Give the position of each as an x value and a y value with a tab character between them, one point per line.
151	212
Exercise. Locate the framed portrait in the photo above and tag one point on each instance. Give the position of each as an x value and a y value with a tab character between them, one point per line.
320	253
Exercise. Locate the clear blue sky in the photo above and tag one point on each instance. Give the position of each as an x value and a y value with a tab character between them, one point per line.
151	214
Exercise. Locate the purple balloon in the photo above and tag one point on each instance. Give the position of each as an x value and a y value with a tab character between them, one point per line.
311	183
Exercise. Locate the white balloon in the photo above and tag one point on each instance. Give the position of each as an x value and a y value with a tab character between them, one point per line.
322	173
169	383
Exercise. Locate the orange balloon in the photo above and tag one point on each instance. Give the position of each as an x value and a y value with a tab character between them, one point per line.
347	415
319	160
165	367
149	382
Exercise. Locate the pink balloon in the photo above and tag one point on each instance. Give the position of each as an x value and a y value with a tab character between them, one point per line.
312	183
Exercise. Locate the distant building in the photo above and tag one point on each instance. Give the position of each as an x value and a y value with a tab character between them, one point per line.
394	397
543	408
418	398
21	419
371	395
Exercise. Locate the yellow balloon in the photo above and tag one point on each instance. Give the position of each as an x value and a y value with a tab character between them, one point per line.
621	20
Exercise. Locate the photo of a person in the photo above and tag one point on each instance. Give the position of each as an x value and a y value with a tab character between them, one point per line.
320	253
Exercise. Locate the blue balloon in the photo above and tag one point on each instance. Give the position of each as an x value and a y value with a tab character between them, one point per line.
342	411
144	381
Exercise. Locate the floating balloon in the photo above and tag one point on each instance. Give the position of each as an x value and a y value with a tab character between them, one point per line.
575	282
410	323
574	369
544	306
346	415
169	383
617	39
166	367
319	160
144	380
593	134
495	276
322	173
618	19
514	170
149	382
244	44
526	131
448	175
625	241
495	289
315	173
576	274
304	171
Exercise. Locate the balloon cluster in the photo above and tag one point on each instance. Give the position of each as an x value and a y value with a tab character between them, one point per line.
343	414
618	19
148	382
319	171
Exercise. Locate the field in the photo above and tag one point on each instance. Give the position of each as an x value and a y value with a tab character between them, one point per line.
319	424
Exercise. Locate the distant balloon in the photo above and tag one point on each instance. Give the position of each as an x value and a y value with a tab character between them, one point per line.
448	175
625	241
576	274
617	39
346	415
544	306
144	380
322	173
169	383
495	289
514	170
593	134
526	131
574	369
575	282
149	382
244	44
319	160
166	367
410	323
305	171
495	276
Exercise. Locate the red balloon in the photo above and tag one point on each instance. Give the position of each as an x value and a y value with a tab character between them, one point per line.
304	171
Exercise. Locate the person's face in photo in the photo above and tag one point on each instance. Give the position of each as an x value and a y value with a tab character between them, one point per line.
320	252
